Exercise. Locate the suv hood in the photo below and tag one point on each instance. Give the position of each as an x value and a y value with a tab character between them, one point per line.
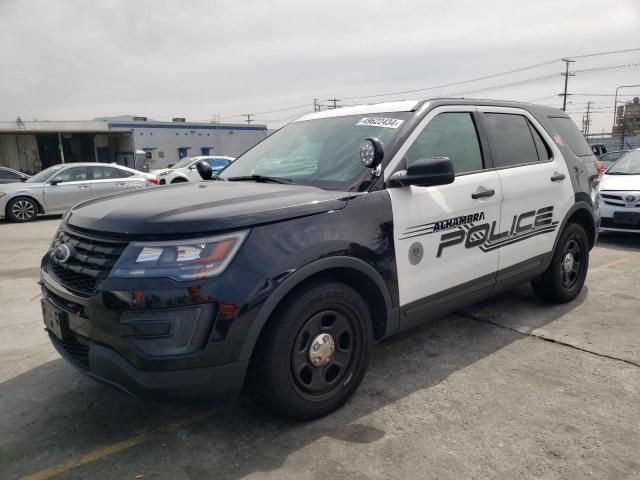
201	208
620	182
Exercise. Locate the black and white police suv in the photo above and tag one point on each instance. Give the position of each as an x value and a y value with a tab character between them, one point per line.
340	229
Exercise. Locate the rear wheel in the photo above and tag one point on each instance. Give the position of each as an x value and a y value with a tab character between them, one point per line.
22	209
565	276
315	352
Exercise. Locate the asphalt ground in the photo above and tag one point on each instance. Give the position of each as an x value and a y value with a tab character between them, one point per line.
509	388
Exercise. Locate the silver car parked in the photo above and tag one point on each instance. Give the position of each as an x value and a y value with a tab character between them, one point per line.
57	188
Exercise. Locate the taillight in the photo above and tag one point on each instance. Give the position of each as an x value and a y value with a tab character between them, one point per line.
153	180
600	166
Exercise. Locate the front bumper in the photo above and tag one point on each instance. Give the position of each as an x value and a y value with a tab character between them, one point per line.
611	220
145	350
108	367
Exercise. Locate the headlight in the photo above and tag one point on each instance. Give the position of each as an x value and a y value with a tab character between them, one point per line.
179	260
2	194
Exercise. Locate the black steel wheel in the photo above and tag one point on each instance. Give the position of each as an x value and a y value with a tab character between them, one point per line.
565	276
314	352
322	353
22	209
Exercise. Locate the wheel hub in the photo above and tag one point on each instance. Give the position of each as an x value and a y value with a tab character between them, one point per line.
321	350
567	262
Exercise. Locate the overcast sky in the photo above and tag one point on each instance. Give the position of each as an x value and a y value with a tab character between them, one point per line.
78	59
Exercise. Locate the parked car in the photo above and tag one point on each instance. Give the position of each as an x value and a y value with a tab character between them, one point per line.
620	195
609	158
9	175
56	188
285	276
185	169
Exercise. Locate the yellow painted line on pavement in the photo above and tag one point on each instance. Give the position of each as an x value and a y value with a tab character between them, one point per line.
614	262
102	452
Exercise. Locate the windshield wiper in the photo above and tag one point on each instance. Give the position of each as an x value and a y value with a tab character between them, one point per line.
260	178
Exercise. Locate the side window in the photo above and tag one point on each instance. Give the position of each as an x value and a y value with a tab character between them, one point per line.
9	175
570	134
218	162
452	135
544	152
73	174
105	173
510	139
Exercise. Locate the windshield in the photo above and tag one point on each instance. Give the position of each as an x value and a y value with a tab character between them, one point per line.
322	152
629	164
44	175
185	162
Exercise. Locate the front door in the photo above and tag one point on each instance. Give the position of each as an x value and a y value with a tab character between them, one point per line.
69	186
536	187
439	231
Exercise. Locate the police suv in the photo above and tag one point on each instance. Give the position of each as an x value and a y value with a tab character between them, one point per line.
340	229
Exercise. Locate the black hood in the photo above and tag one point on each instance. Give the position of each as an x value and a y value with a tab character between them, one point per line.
202	207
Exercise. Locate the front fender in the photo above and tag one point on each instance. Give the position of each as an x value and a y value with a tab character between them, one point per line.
300	276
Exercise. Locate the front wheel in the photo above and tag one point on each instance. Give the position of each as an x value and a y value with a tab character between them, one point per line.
178	180
565	276
315	352
22	209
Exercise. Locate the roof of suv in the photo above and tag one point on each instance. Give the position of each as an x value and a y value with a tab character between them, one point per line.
415	105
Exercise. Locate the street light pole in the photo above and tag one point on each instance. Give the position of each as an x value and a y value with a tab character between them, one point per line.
615	104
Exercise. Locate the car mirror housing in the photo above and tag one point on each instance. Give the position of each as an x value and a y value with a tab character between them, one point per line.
426	172
205	170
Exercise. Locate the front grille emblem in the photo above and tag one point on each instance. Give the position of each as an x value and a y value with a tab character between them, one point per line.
629	198
61	253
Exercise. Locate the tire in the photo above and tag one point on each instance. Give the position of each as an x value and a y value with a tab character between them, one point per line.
283	368
178	180
564	278
22	209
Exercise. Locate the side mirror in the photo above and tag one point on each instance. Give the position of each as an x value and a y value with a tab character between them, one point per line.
205	170
55	181
426	172
23	179
170	165
371	152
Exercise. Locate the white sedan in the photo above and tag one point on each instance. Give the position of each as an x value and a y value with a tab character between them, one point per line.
620	195
57	188
185	170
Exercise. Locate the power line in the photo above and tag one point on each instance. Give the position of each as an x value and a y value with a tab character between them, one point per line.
611	52
453	84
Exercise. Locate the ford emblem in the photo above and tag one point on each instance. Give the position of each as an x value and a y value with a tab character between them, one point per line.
61	253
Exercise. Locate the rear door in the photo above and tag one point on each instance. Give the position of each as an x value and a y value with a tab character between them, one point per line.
536	188
69	186
438	231
106	179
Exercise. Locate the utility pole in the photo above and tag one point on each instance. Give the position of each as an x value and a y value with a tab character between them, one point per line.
249	119
587	120
334	101
566	75
316	105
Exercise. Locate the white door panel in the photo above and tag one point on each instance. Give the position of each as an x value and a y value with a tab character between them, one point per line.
532	209
533	206
438	232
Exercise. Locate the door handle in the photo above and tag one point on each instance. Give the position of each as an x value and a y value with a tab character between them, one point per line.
558	177
120	184
83	186
482	192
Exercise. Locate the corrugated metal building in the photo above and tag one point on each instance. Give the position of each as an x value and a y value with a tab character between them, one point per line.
31	146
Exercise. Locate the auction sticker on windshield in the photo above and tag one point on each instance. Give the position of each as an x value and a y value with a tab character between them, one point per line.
380	122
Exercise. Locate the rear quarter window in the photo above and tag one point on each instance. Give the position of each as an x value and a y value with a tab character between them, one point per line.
571	136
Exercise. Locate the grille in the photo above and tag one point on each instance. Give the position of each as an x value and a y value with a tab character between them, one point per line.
91	260
620	200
